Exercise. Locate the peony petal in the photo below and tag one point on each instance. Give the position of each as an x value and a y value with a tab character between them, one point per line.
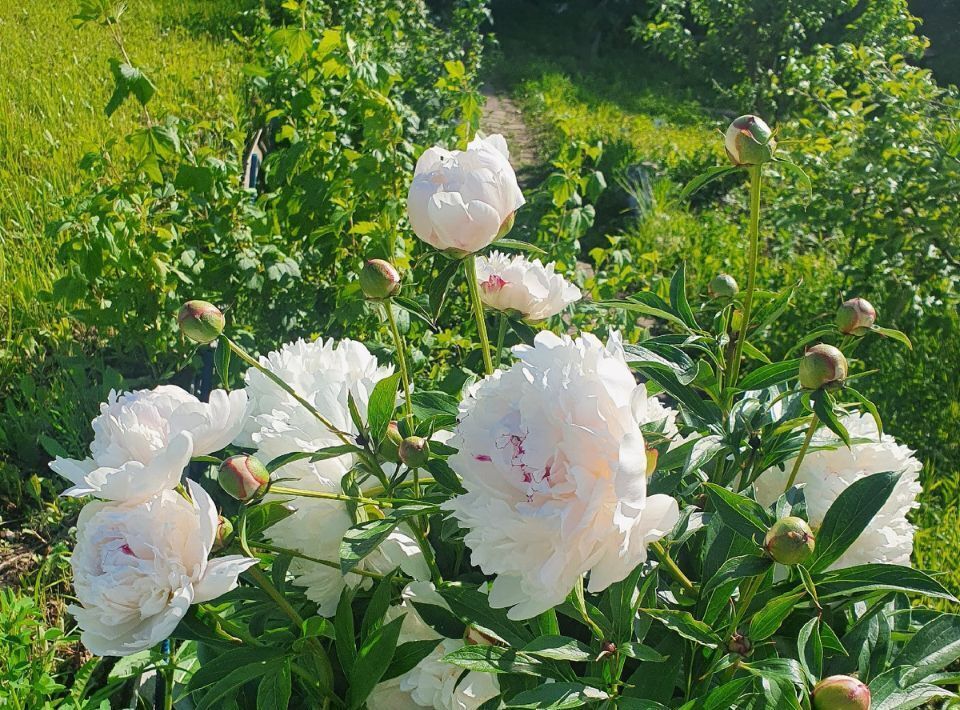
467	226
221	576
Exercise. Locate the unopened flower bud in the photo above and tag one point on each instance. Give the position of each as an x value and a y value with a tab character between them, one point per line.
789	541
749	141
200	321
822	365
390	446
243	477
841	692
224	531
415	451
740	644
507	225
856	316
379	279
608	647
723	286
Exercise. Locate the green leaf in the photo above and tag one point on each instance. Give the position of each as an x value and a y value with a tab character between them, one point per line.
228	685
678	297
128	80
407	656
823	408
222	361
428	404
293	40
330	452
892	690
798	171
769	375
636	305
893	334
473	605
934	647
849	516
275	688
738	568
413	308
850	581
496	659
557	696
641	652
264	514
439	287
362	539
705	178
868	405
558	648
373	658
683	623
383	400
766	621
745	516
345	638
810	648
726	695
518	245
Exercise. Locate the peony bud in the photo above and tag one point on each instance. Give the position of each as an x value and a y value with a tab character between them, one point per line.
723	286
414	451
200	321
390	446
224	531
243	477
822	365
789	541
379	279
749	141
841	692
856	316
739	644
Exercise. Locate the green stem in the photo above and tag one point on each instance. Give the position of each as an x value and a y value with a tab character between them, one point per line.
326	563
667	562
501	333
283	490
168	681
401	362
470	264
581	604
814	421
754	254
253	362
428	556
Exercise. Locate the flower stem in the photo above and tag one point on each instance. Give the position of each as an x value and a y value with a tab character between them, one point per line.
803	450
470	263
667	562
501	333
253	362
326	563
754	254
581	604
168	672
401	361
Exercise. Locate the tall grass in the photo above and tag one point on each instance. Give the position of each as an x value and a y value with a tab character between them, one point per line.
54	83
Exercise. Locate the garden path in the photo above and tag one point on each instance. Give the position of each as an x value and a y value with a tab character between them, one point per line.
502	115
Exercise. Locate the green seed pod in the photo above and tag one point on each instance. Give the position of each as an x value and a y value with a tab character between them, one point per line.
243	477
379	279
749	141
856	316
200	321
723	286
841	692
415	451
821	366
789	541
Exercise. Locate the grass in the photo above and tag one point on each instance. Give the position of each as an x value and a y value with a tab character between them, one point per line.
648	113
54	84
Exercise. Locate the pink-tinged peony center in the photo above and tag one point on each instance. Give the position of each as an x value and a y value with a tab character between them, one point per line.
127	550
535	479
493	284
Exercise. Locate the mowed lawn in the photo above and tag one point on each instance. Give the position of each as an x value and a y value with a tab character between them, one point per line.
54	84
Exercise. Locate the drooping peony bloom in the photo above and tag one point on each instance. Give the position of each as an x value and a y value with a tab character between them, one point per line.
827	473
528	288
325	374
554	463
144	439
462	199
431	683
138	568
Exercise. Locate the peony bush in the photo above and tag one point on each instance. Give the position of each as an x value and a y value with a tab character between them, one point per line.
582	522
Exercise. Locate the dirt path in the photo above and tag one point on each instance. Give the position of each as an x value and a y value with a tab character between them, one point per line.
502	115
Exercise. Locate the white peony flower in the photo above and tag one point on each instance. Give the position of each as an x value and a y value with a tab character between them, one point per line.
143	440
461	199
525	287
325	374
827	473
431	683
137	568
554	463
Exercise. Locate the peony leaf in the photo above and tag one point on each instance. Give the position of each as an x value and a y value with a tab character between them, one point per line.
683	623
745	516
934	647
519	246
823	407
373	658
678	297
868	405
769	375
849	516
766	621
641	652
383	400
472	605
868	579
892	690
893	334
362	539
557	696
275	687
497	659
408	655
558	648
738	568
705	178
810	648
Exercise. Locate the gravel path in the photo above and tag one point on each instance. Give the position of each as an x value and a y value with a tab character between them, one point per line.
502	115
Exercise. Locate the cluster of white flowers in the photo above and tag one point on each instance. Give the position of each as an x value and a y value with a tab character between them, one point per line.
142	558
554	463
527	288
827	472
